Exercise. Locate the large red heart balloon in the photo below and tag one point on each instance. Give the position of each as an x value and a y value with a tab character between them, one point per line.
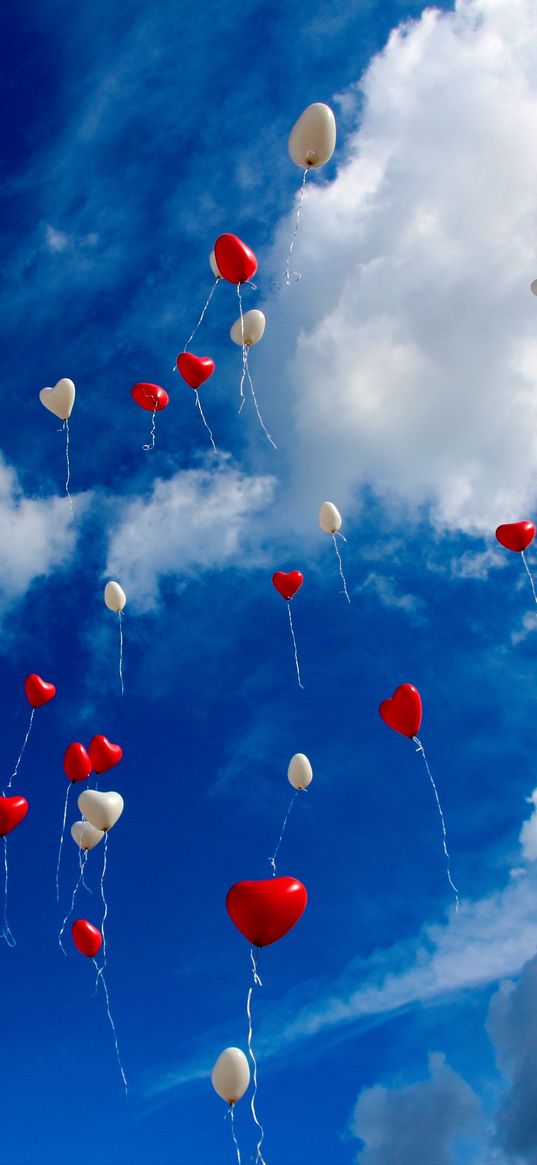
38	691
195	369
103	754
265	911
76	762
12	812
150	396
516	535
288	583
403	710
86	937
235	261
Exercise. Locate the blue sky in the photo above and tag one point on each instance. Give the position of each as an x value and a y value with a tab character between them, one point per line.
397	378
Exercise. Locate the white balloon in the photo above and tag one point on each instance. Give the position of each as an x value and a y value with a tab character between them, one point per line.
214	266
312	140
231	1075
85	835
533	286
60	399
329	518
114	596
101	809
250	330
300	772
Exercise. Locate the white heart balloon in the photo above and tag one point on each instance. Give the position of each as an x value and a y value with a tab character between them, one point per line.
60	399
231	1075
250	329
85	835
312	140
114	596
329	518
101	809
300	772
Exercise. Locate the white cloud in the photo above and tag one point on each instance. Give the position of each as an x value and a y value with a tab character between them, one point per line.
528	833
36	534
386	591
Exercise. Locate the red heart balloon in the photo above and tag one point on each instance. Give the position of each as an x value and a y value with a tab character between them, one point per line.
103	754
265	911
516	535
403	710
150	397
38	691
195	369
288	584
12	812
86	937
76	762
235	261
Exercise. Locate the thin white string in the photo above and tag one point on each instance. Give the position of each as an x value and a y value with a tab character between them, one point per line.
61	843
200	321
82	859
272	860
288	273
244	351
101	978
198	403
68	478
421	749
72	906
105	904
121	653
254	398
7	933
297	665
153	430
257	982
233	1134
19	758
530	576
343	579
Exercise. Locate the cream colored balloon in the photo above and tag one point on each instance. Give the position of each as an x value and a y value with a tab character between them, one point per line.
329	518
101	809
300	772
231	1075
114	596
85	835
60	399
250	330
214	266
312	140
533	286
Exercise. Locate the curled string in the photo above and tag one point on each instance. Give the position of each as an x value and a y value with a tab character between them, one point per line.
101	979
297	665
82	859
343	579
105	904
233	1134
7	933
68	464
244	351
19	758
288	273
72	906
421	749
530	576
257	982
200	321
153	430
121	653
68	790
272	860
198	403
254	398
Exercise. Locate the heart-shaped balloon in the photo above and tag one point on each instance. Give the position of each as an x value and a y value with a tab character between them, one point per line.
516	535
85	835
195	369
403	710
86	937
150	396
12	812
76	762
234	259
60	399
265	911
287	583
103	754
101	809
38	691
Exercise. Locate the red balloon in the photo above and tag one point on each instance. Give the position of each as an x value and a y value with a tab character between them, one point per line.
403	710
12	812
516	535
235	261
103	754
86	937
76	762
288	584
195	369
150	397
265	911
38	691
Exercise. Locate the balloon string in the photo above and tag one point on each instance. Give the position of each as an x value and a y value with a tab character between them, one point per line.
61	843
7	933
233	1134
19	758
343	579
288	273
101	979
257	982
105	904
72	906
153	430
198	403
421	749
244	352
68	478
530	576
121	654
82	859
200	321
254	398
272	860
297	665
